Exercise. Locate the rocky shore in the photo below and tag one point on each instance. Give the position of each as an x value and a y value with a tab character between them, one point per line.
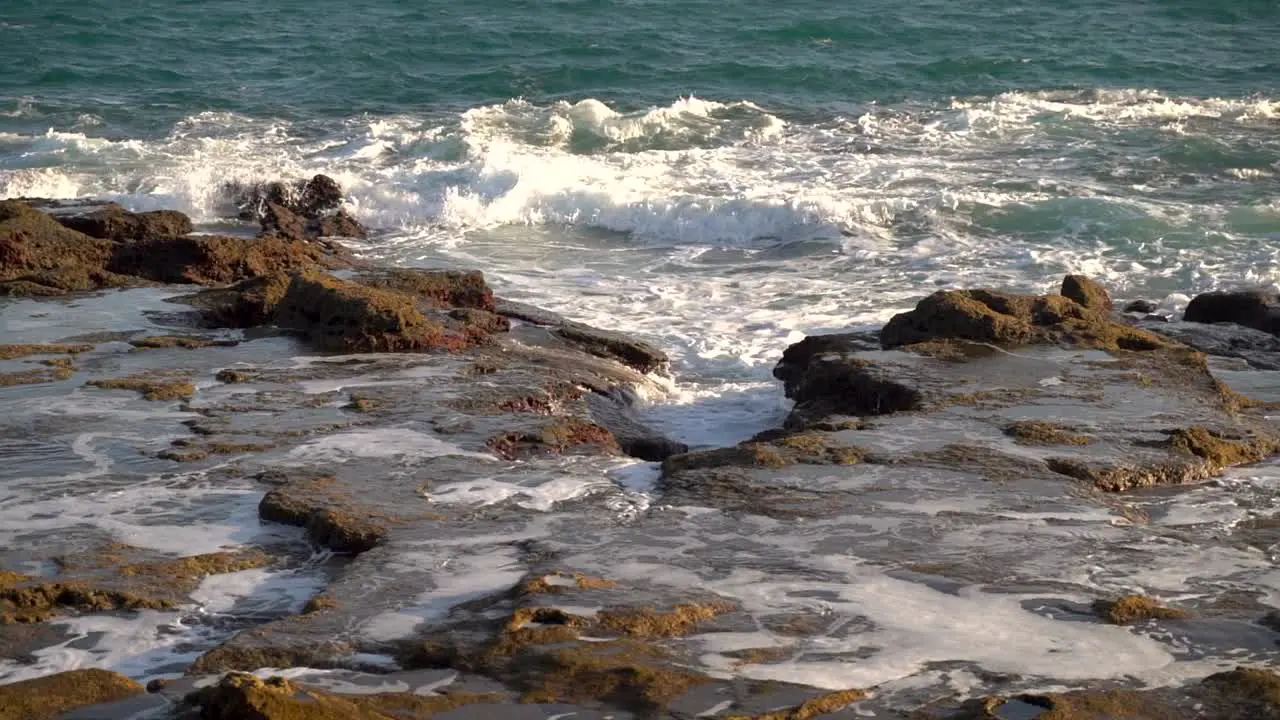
285	348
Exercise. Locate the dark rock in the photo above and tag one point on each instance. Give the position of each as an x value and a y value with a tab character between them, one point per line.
244	305
1140	306
998	318
525	312
1086	292
279	220
310	199
113	222
317	196
614	345
337	225
632	436
1257	309
481	321
1260	349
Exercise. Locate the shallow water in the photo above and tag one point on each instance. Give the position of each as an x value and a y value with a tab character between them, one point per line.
718	183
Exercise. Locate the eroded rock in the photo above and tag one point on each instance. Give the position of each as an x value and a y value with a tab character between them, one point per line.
113	222
48	697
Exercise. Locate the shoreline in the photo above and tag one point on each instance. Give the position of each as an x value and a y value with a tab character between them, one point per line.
502	393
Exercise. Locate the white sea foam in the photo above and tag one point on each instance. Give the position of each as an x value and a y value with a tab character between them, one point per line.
404	443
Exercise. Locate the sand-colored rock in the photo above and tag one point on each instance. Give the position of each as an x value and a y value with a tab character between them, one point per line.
48	697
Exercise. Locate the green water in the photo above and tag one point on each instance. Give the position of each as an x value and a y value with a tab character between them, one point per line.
142	66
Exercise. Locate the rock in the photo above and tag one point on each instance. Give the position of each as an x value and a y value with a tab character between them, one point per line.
614	345
281	221
1144	307
48	697
246	304
1258	309
444	288
1086	292
998	318
221	260
330	522
309	199
113	222
39	256
1130	609
239	696
350	317
337	225
1225	339
1040	432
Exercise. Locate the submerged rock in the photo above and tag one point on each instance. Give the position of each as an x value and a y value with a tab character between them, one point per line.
239	696
48	697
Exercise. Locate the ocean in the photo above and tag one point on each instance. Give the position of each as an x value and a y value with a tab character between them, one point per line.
719	179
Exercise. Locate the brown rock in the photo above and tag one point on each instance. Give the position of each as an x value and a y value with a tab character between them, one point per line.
1040	432
279	220
239	696
9	352
1130	609
1006	319
149	387
446	288
246	304
556	438
349	317
1086	292
39	256
219	260
339	224
48	697
113	222
330	521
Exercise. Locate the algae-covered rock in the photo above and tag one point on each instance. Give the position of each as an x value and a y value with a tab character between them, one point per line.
9	352
156	388
555	438
445	288
113	222
1086	292
1041	432
330	522
246	304
350	317
1130	609
39	256
48	697
1008	319
186	342
222	260
239	696
810	709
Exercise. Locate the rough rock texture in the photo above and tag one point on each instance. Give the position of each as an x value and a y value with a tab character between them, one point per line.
330	521
240	696
1134	608
444	288
999	318
220	260
630	351
349	317
339	224
39	256
48	697
1086	292
113	222
1257	309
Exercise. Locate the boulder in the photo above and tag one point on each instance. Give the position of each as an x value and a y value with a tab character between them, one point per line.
1008	319
49	697
349	317
113	222
1086	292
38	252
444	288
279	220
1144	307
1258	309
222	260
339	224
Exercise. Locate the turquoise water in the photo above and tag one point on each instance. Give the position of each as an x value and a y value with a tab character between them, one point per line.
143	66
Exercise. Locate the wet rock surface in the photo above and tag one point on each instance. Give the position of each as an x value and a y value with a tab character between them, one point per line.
456	478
